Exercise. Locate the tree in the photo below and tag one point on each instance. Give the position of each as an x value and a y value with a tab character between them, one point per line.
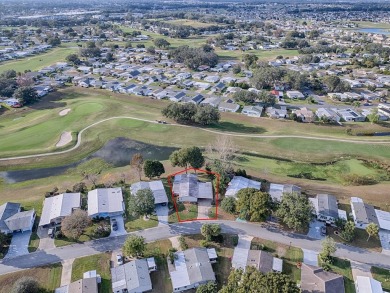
295	210
253	280
137	162
246	97
73	59
190	113
254	205
24	80
187	156
348	233
153	168
74	225
55	41
26	95
328	248
134	246
7	86
26	285
249	60
210	287
236	69
142	203
161	43
228	204
206	114
372	229
210	230
224	149
8	74
373	117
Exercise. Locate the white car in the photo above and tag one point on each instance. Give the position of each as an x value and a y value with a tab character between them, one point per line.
119	259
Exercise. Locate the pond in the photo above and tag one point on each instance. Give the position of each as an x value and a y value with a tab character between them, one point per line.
117	152
381	31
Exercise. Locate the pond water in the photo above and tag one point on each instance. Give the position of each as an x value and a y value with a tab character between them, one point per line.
117	152
381	31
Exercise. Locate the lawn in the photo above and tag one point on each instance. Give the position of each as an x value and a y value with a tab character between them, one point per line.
383	276
369	24
133	224
39	61
186	212
188	22
343	267
49	277
98	262
261	54
34	242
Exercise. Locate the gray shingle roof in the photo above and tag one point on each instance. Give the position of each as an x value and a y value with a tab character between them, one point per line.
133	276
327	205
316	280
20	221
7	210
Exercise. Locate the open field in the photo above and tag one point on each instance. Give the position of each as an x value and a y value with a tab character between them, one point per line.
49	277
369	24
193	23
98	262
39	61
262	54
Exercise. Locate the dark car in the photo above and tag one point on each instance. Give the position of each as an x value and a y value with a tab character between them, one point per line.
114	224
323	230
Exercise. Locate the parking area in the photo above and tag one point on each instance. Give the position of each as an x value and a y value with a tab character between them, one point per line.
310	257
121	226
45	241
315	230
19	244
384	237
204	206
162	214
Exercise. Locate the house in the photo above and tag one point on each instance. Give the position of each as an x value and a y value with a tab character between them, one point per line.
367	285
316	280
328	114
261	260
133	277
363	213
12	102
326	207
57	207
276	191
177	97
228	107
252	111
277	113
13	220
157	187
350	115
212	101
88	284
295	95
197	99
105	202
219	87
305	115
191	268
189	189
384	109
238	183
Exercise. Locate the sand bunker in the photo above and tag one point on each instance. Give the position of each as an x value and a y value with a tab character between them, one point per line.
64	112
66	137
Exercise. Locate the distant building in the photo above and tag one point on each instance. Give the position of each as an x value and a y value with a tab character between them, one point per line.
12	219
276	191
252	111
238	183
105	202
326	207
316	280
189	189
191	269
363	213
157	188
88	284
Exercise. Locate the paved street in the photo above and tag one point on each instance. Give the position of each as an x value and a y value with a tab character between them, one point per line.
55	255
315	230
121	226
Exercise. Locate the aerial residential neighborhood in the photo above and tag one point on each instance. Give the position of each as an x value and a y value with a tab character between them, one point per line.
194	146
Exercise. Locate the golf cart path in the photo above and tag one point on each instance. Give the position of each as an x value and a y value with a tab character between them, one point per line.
79	137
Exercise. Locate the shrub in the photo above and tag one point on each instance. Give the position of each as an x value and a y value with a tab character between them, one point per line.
204	243
183	244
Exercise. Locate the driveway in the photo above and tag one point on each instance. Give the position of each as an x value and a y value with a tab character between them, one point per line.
162	214
384	237
204	206
360	269
19	244
121	226
45	242
315	230
310	257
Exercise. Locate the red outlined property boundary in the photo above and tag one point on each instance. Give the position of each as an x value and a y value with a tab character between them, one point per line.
217	176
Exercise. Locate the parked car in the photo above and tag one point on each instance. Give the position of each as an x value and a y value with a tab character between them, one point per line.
323	230
114	224
51	232
119	259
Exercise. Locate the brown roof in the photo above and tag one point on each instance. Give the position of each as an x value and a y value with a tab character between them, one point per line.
261	260
316	280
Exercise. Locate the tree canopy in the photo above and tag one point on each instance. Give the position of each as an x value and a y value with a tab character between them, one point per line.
153	168
134	246
26	95
26	285
295	210
191	113
254	205
185	157
210	230
194	57
74	225
142	203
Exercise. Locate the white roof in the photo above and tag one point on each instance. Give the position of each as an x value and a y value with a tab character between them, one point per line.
212	253
277	264
238	183
105	200
156	187
383	219
240	257
180	277
57	206
342	214
368	285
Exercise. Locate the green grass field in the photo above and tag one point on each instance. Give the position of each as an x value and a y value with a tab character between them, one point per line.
39	61
369	24
383	276
98	262
193	23
261	54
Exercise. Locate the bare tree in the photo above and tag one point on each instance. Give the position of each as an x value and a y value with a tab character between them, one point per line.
137	162
73	226
223	148
92	178
24	80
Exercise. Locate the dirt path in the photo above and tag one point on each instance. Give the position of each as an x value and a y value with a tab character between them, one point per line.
79	136
66	137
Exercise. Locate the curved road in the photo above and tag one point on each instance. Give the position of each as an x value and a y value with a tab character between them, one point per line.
55	255
79	137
